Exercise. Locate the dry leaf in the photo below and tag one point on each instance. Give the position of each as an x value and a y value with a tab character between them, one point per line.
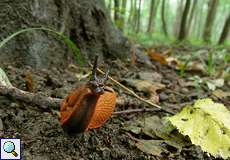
150	88
221	94
157	56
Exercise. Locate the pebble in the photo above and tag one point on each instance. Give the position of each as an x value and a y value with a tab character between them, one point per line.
185	90
163	96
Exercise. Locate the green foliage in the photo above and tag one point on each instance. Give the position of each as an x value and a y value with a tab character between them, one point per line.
68	42
210	64
4	79
194	30
207	124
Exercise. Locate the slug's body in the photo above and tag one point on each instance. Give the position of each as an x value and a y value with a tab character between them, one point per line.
88	106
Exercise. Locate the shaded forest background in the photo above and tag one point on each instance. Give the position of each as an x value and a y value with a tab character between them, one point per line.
165	21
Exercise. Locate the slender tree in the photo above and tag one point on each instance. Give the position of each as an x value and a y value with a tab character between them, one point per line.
152	3
123	11
138	17
209	20
109	8
199	22
131	14
179	12
164	26
116	11
152	15
225	30
182	33
191	16
134	19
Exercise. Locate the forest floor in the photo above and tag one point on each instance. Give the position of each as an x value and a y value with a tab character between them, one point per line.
41	133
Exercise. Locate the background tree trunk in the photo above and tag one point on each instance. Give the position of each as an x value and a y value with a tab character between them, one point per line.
191	16
123	13
209	20
116	12
151	15
134	19
164	27
138	17
85	22
182	33
179	12
109	8
225	31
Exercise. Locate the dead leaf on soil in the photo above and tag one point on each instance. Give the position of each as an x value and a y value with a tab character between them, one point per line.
4	79
221	94
150	88
156	128
157	56
153	147
212	84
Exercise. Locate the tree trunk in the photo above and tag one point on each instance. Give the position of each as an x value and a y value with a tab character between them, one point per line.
131	14
182	33
164	27
225	30
191	15
151	15
134	19
179	12
138	17
85	22
116	12
123	11
209	20
109	8
198	26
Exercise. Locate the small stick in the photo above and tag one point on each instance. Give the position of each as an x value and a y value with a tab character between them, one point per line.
28	97
130	111
130	91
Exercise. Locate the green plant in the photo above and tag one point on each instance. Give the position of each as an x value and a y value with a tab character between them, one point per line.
210	66
183	67
68	42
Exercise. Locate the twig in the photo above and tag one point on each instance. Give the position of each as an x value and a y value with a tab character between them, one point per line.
28	97
130	91
130	111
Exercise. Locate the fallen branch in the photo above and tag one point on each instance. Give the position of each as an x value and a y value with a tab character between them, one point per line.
28	97
130	111
54	103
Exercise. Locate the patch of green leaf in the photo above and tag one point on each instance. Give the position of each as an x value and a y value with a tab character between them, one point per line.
4	79
207	124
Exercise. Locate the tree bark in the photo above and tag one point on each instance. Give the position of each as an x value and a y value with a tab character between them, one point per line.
85	22
134	19
182	33
138	17
116	10
191	15
225	30
179	12
109	8
123	11
164	26
151	15
209	20
130	12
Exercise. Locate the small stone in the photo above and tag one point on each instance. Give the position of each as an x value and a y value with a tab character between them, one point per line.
185	90
150	76
163	97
